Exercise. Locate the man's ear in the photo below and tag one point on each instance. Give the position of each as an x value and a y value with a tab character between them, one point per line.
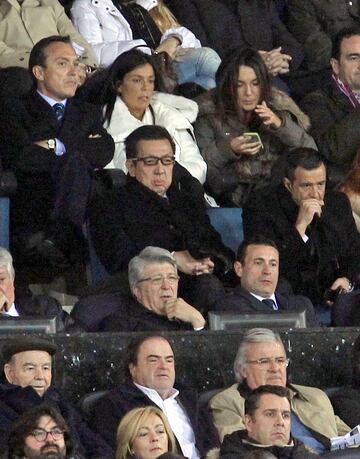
335	66
38	72
136	293
130	165
287	184
248	423
8	371
131	369
238	268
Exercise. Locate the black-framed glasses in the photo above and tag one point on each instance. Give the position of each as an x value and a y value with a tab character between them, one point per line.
158	279
266	363
41	434
154	160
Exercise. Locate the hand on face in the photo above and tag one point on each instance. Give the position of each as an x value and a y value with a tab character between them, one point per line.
7	290
178	309
241	146
268	117
307	210
189	265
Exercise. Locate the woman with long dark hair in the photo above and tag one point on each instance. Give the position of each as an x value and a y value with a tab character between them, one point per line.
243	126
129	102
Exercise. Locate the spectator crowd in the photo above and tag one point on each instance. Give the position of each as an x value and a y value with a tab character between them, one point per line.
124	125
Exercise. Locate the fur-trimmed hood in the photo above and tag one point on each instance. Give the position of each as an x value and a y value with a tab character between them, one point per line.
280	101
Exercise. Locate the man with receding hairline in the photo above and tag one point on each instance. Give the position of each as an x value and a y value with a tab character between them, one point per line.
315	231
150	370
261	360
267	427
51	159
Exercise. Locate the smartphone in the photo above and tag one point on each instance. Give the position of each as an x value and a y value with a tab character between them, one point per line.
252	137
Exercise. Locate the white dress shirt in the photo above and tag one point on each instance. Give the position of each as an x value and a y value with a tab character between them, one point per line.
178	420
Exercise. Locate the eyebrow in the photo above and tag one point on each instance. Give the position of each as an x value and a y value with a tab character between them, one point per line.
263	259
158	356
353	55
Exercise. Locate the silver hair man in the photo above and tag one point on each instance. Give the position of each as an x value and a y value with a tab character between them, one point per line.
147	256
255	335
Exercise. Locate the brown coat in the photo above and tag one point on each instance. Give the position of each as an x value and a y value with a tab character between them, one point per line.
214	135
310	404
21	27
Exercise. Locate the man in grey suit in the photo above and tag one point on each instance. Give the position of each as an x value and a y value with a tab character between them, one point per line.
257	266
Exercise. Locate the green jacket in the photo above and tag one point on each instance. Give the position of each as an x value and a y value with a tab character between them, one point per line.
315	23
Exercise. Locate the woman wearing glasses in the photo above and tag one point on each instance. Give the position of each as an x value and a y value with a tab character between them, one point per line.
129	102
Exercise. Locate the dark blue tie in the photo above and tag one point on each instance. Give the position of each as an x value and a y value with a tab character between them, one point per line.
270	303
59	110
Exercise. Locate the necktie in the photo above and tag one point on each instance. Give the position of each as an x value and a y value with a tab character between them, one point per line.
270	303
59	110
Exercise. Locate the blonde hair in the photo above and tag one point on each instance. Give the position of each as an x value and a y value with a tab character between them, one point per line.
163	17
130	426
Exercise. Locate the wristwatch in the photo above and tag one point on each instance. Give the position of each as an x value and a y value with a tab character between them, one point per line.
51	143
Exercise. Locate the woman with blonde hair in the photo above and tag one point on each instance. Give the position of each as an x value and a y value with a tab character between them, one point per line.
113	27
144	433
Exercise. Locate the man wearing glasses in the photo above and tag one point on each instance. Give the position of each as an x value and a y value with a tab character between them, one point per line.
261	360
41	433
155	209
154	304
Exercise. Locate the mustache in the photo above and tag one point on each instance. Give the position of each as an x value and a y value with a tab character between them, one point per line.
47	445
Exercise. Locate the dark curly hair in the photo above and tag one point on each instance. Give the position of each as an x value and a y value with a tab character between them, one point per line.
28	421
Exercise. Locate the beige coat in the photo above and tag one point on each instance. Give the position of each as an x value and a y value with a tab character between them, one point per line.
310	404
23	26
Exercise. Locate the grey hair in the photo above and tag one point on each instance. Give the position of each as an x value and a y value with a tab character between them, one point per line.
6	261
255	335
148	256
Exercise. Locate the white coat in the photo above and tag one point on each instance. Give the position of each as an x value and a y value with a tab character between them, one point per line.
176	114
108	32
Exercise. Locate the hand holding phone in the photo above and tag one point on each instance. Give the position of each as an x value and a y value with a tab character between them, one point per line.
246	144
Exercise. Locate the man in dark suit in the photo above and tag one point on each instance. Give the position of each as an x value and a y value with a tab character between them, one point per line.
155	209
314	230
153	305
150	370
257	266
52	143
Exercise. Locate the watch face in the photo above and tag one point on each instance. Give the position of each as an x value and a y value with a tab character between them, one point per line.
51	144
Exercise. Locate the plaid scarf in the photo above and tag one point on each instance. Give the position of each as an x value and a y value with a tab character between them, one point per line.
353	97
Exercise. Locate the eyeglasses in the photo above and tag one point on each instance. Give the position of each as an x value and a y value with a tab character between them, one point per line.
41	434
158	280
154	160
265	363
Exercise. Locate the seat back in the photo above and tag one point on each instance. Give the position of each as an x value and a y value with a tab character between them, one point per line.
88	401
228	222
4	222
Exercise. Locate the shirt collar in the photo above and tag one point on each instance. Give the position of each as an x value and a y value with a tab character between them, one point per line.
260	298
50	100
152	393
